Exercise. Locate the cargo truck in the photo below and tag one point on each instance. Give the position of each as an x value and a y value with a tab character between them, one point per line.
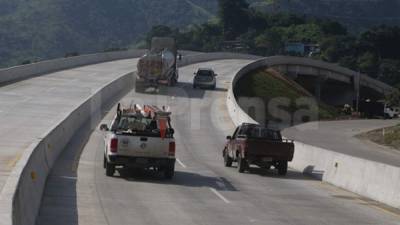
159	65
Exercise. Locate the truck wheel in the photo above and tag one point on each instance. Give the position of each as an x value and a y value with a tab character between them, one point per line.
282	168
227	160
110	169
169	171
242	164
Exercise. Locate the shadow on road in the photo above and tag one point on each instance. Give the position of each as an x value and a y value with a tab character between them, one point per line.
181	178
59	201
181	90
273	173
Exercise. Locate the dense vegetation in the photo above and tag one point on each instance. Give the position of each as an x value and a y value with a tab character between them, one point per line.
42	29
355	14
374	52
32	30
387	136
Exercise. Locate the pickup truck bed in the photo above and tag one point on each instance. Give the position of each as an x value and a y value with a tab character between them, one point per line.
277	150
140	138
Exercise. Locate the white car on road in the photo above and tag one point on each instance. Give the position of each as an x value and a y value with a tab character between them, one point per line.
205	78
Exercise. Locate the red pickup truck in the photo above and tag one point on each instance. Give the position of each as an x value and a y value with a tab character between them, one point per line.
252	144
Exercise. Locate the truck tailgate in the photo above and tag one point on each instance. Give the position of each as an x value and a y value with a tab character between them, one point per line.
276	150
148	147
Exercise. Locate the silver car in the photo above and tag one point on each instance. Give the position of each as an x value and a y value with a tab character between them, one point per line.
205	78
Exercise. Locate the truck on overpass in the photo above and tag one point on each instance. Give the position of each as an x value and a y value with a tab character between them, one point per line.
159	65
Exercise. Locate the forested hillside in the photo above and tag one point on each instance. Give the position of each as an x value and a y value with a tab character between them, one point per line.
356	14
32	30
42	29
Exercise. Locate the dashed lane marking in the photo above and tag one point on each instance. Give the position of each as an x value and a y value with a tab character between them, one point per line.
220	195
181	163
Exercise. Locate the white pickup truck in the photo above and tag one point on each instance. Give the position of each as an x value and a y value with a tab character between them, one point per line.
140	137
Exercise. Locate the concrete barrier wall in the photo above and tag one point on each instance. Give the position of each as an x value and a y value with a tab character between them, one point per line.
14	74
18	73
237	114
21	196
29	176
367	178
204	57
371	179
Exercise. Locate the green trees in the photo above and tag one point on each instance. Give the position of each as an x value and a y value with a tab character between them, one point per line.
45	29
234	17
383	41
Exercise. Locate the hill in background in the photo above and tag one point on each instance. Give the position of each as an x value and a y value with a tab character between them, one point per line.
32	30
43	29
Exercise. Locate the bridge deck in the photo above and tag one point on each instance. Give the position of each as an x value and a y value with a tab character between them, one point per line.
28	109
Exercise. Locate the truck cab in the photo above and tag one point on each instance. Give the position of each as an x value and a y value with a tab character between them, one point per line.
140	137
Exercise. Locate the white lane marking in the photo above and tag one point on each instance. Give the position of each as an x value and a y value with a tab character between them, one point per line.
220	195
180	163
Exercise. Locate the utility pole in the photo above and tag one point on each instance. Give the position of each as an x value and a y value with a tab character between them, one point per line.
357	87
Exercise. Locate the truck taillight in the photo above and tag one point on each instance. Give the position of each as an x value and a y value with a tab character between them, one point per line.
114	145
171	150
244	145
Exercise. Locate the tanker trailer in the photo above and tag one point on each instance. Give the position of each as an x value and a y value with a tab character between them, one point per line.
159	65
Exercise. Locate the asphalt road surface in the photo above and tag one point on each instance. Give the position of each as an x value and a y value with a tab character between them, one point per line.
203	191
340	136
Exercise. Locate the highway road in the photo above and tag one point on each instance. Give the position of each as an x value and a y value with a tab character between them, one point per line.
203	192
30	108
340	136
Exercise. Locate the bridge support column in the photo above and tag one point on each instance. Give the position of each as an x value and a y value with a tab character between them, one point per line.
356	83
320	80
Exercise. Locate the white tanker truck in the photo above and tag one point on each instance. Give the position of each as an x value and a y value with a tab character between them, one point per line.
159	65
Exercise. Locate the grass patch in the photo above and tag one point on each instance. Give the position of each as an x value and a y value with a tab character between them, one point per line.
387	136
270	85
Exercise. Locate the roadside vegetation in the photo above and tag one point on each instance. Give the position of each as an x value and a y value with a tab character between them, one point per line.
268	85
386	136
239	27
36	30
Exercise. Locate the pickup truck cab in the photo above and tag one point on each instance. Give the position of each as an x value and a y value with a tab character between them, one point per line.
257	145
140	138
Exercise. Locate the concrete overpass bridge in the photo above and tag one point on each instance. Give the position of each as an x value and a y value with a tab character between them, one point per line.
51	156
329	82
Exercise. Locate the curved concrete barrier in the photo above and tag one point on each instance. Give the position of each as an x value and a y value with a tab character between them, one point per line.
320	68
367	178
377	181
17	73
21	196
